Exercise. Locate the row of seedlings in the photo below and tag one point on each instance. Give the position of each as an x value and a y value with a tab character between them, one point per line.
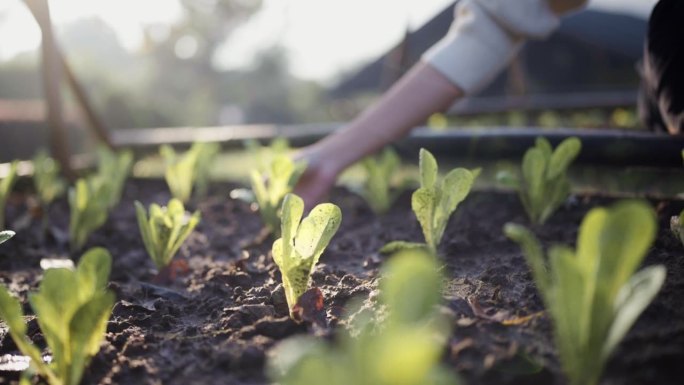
73	305
594	294
591	335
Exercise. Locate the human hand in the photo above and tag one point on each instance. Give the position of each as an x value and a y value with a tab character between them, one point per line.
318	179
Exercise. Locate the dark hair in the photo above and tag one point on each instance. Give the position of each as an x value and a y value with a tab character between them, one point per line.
661	102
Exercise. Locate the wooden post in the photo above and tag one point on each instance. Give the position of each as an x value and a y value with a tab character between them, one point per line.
52	75
54	66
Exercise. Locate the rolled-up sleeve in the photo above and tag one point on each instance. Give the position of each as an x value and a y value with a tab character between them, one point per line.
486	35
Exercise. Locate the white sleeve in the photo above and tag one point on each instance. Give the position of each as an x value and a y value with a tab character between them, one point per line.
486	35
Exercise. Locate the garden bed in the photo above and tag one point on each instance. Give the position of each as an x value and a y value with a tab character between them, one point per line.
216	323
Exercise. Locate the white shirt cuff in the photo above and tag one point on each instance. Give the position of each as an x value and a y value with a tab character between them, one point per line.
475	50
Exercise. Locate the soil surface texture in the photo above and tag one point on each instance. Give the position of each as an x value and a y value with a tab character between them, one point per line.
217	320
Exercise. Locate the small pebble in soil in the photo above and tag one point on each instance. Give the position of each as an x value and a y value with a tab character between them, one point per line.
238	279
279	301
254	312
276	328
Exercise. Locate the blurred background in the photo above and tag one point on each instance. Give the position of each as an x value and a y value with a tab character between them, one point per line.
194	63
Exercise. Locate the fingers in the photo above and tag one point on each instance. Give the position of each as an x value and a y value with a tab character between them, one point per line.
322	170
313	189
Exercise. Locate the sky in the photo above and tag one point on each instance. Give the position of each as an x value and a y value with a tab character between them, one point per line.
322	38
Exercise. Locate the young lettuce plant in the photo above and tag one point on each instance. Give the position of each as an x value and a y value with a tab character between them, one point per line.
302	243
435	201
263	155
404	350
114	168
165	229
89	202
180	172
544	185
593	294
206	154
6	185
73	308
677	226
5	235
677	221
92	197
271	186
377	189
49	185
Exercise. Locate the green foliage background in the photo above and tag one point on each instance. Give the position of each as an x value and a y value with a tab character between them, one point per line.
153	87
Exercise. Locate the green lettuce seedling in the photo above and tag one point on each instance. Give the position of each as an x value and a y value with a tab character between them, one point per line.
205	155
49	185
677	226
271	186
592	293
302	244
264	155
92	197
89	202
435	201
113	168
377	189
73	308
5	235
165	229
180	172
544	185
404	349
677	221
189	170
6	185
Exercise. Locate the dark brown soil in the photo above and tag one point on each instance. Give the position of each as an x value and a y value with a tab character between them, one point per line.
216	324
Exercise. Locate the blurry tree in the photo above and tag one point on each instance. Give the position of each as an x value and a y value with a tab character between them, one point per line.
172	80
20	78
115	78
93	44
269	93
190	90
186	85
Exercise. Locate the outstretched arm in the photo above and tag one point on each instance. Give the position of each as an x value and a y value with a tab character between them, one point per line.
418	94
484	37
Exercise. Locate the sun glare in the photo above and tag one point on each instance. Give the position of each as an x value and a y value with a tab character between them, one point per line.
19	32
321	38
